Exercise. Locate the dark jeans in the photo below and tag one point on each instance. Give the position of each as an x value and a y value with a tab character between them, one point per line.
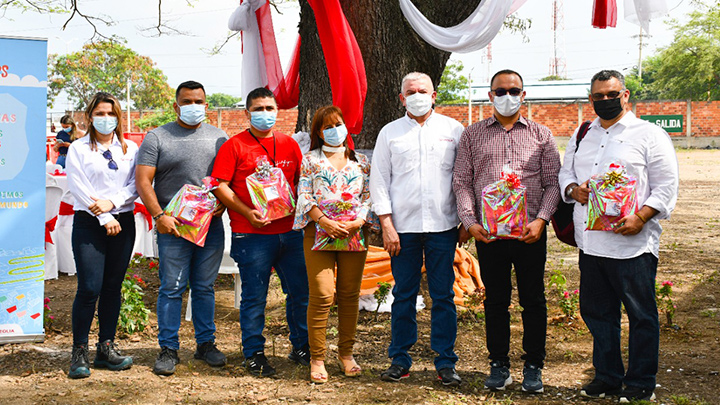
605	284
256	255
438	249
496	260
101	263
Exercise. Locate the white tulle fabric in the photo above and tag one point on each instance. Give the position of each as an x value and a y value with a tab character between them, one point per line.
640	12
473	34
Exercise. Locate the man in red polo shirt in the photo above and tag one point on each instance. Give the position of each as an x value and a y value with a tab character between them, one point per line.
260	245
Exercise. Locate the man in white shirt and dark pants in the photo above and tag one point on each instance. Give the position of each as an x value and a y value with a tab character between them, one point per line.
411	191
618	268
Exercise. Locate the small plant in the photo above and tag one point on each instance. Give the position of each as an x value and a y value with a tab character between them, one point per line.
47	318
381	295
138	260
473	304
569	303
133	313
557	280
665	303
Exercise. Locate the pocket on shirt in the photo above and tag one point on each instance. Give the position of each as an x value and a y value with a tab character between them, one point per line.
404	157
443	154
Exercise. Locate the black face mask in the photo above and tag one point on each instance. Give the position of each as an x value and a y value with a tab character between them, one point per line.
609	108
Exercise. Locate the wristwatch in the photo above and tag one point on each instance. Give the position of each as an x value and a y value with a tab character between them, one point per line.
569	190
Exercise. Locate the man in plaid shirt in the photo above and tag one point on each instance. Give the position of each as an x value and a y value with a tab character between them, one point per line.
510	140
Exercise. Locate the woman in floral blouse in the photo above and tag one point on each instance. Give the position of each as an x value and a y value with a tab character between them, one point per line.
334	183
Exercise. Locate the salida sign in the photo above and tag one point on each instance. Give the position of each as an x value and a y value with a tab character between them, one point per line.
670	123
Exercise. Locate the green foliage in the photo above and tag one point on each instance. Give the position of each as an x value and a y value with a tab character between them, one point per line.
453	85
133	313
552	78
107	66
665	303
473	304
216	100
156	119
569	303
689	68
381	295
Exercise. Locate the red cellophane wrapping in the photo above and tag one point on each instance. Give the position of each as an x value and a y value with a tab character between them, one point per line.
504	213
613	195
193	207
270	191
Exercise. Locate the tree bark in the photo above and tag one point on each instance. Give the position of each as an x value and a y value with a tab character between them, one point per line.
390	49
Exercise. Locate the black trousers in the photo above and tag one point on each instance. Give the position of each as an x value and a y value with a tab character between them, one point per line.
496	261
101	263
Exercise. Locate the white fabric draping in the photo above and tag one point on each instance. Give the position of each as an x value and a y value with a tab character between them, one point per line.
640	12
473	34
254	72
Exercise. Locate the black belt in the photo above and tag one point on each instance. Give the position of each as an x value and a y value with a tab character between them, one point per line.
116	216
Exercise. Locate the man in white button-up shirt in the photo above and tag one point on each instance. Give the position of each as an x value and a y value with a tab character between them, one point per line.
619	267
411	191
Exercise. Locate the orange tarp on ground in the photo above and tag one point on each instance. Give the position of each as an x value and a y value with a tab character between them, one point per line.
467	273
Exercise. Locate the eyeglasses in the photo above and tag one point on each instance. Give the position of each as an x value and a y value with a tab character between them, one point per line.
513	92
610	95
111	163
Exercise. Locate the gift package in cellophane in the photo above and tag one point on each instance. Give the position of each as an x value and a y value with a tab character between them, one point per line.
193	207
613	195
270	191
343	211
504	213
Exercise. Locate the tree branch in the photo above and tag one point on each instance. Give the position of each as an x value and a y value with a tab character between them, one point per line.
75	10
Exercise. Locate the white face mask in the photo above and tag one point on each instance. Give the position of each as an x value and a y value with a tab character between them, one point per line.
507	105
418	104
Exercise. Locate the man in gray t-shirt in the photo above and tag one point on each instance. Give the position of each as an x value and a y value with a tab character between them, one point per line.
175	154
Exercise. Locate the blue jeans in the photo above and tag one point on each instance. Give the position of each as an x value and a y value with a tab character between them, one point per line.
439	251
605	284
61	160
101	263
496	262
256	255
182	261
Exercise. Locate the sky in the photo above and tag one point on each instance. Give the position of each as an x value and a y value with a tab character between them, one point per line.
185	57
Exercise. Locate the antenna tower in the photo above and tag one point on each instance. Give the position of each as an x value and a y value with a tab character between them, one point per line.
558	63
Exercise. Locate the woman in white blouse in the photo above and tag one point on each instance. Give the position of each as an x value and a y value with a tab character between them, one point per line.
331	172
101	177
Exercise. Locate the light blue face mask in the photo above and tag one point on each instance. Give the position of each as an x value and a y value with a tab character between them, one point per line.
263	120
105	125
192	114
335	136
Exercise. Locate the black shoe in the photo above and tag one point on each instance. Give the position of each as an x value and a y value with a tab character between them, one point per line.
532	379
448	376
79	365
499	377
108	356
600	389
210	354
258	365
395	373
631	394
300	356
166	361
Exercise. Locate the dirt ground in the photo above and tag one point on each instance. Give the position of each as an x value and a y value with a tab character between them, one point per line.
689	353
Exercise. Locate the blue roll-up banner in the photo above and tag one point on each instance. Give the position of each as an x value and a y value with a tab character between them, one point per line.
23	104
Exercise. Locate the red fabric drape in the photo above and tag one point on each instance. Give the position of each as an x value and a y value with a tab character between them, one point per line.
140	209
346	68
49	227
604	14
345	64
66	209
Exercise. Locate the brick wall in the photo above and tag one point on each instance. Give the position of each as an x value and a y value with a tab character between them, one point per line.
561	118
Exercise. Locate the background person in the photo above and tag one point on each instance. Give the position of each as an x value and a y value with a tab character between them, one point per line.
101	177
411	190
64	138
618	268
486	147
332	171
175	154
260	245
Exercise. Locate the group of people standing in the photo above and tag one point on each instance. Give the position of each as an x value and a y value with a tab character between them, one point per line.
426	178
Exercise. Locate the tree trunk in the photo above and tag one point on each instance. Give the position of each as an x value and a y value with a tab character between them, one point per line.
390	49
